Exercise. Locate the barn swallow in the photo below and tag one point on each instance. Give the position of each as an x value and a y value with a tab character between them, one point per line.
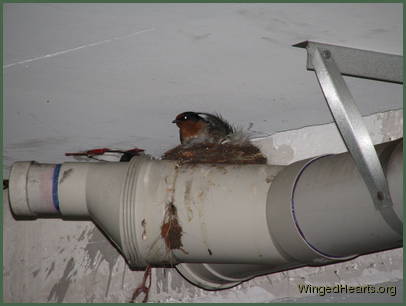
202	128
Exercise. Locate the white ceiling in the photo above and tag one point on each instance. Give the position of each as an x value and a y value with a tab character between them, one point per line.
80	76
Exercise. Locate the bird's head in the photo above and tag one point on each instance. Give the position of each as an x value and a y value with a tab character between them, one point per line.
185	117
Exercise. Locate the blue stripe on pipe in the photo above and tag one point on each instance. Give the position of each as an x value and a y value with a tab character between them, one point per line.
55	179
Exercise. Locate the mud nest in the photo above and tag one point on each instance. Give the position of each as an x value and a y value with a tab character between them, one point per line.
216	153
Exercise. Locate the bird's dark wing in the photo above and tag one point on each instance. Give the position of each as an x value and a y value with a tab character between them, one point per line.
217	122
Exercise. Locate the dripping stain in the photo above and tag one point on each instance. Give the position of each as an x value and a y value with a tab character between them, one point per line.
58	291
98	249
65	175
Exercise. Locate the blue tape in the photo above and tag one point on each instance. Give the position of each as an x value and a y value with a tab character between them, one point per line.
55	178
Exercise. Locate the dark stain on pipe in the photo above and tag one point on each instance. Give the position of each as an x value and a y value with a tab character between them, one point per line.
171	231
65	175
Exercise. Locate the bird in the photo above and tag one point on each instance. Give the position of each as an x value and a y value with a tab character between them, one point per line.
195	127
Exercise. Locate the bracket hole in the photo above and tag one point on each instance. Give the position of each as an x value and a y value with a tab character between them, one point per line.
326	54
380	196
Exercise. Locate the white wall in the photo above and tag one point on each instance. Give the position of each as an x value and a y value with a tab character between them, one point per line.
79	76
123	87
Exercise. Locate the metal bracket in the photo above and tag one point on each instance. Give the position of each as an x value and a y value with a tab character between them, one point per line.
359	63
384	67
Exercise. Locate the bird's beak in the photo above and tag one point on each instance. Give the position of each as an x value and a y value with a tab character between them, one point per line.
175	121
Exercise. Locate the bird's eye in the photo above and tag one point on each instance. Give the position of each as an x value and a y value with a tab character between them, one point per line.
184	118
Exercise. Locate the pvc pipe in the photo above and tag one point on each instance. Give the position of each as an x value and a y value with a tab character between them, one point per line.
319	211
238	220
338	221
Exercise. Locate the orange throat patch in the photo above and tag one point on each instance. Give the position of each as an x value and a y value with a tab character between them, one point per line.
191	129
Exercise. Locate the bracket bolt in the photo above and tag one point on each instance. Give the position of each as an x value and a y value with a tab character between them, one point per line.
326	54
380	195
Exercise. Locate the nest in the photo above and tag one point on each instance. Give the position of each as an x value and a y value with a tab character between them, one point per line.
213	153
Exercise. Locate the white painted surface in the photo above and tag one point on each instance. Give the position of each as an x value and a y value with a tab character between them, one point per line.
95	79
287	147
79	76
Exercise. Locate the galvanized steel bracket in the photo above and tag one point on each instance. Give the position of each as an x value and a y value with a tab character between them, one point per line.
359	63
329	63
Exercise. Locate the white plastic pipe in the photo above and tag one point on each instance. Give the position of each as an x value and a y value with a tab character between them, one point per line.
222	223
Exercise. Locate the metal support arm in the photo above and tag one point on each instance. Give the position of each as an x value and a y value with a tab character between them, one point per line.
350	123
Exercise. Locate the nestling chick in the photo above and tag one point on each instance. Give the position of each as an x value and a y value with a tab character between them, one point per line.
202	128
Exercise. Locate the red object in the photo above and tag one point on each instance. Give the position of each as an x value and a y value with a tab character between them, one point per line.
143	287
97	151
90	152
135	150
101	151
